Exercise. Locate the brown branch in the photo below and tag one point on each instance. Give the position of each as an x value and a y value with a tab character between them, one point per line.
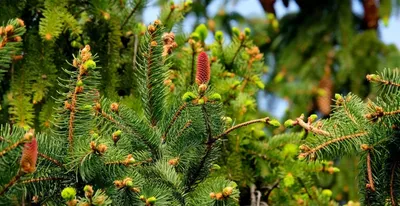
311	128
13	146
381	114
369	171
392	197
266	119
325	144
51	160
173	120
126	163
41	179
12	182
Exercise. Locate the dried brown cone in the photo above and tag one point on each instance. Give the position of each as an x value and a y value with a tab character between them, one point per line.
324	100
29	156
203	69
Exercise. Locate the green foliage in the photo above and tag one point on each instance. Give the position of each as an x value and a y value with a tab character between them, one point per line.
127	158
367	129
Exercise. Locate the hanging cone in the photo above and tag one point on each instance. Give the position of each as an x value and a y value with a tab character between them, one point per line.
203	69
324	99
29	156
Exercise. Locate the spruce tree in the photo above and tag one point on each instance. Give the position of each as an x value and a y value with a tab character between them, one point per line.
100	152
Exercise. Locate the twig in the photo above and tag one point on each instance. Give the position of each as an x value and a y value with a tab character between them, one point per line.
12	182
41	179
11	147
311	128
369	171
266	119
135	48
339	139
51	160
173	120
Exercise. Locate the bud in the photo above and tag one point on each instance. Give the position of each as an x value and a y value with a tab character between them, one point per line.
289	123
88	189
173	162
151	200
68	193
114	107
219	196
235	31
195	36
313	117
227	191
20	22
288	180
79	83
219	36
247	31
202	31
202	88
228	120
90	64
129	183
373	77
212	195
201	101
215	97
274	123
29	156
327	193
189	96
117	133
142	197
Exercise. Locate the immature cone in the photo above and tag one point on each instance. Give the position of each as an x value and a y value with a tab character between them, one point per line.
29	156
203	69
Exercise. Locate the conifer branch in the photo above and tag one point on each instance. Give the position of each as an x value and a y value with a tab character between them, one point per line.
126	162
13	146
131	14
51	159
376	78
126	129
266	119
369	171
12	182
187	125
392	196
72	108
40	179
381	113
325	144
311	128
173	120
348	113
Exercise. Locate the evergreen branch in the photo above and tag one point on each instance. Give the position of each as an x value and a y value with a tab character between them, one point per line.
126	129
12	182
72	108
39	179
325	144
392	197
348	113
311	128
381	113
173	120
126	162
187	125
131	14
266	119
51	160
13	146
375	78
369	171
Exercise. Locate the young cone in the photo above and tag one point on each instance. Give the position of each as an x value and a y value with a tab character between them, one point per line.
203	69
29	156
